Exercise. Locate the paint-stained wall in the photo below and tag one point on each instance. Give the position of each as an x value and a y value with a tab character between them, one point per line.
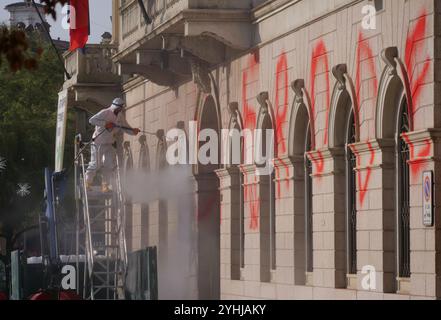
309	52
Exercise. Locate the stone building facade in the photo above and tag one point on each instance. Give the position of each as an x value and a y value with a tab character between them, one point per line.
354	111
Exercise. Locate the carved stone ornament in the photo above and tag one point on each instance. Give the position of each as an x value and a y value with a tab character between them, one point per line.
297	86
389	55
263	98
201	76
339	72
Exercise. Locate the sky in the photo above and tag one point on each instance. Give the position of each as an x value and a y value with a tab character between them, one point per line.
100	12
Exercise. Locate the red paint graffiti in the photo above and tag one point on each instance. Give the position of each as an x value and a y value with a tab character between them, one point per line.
318	161
319	59
363	185
364	54
253	201
412	55
250	190
281	114
207	207
415	163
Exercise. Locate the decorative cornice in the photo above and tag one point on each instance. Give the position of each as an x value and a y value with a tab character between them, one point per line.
372	145
247	169
421	136
227	172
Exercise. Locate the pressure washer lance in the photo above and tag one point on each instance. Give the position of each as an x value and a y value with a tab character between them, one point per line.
141	131
120	127
157	134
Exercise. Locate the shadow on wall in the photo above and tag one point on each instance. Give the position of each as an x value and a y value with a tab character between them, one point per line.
177	268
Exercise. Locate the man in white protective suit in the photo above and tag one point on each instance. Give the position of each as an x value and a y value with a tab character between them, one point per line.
108	123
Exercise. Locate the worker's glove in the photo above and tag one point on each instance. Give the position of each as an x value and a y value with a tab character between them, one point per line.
110	125
136	131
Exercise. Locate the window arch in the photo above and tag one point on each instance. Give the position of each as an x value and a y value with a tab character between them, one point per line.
267	185
208	204
144	166
234	160
402	187
163	219
300	144
343	133
351	197
267	124
393	120
309	249
128	167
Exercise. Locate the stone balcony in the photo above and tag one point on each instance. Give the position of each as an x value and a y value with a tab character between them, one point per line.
178	37
94	81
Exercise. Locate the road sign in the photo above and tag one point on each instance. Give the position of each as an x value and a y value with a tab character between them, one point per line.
428	198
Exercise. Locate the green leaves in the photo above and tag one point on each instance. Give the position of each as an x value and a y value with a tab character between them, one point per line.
28	106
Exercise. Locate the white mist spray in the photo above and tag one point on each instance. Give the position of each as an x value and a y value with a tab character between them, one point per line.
177	268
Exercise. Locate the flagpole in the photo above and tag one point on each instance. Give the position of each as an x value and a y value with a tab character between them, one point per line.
50	39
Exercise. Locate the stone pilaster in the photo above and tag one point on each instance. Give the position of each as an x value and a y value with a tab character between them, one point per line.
231	220
257	231
329	220
287	246
208	235
375	212
425	244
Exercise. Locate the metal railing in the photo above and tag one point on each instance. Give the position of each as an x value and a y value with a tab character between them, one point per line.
131	15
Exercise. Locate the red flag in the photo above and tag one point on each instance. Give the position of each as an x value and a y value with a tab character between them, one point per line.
79	24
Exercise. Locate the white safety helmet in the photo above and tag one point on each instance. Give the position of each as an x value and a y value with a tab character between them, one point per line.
118	103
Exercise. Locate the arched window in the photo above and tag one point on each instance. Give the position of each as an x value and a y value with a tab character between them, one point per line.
128	167
402	192
351	198
268	199
235	158
271	195
144	166
308	205
300	146
392	123
208	206
163	216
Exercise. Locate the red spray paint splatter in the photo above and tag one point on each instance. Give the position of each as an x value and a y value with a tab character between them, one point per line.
281	114
417	166
413	54
250	191
320	58
318	161
364	53
363	185
253	200
208	205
